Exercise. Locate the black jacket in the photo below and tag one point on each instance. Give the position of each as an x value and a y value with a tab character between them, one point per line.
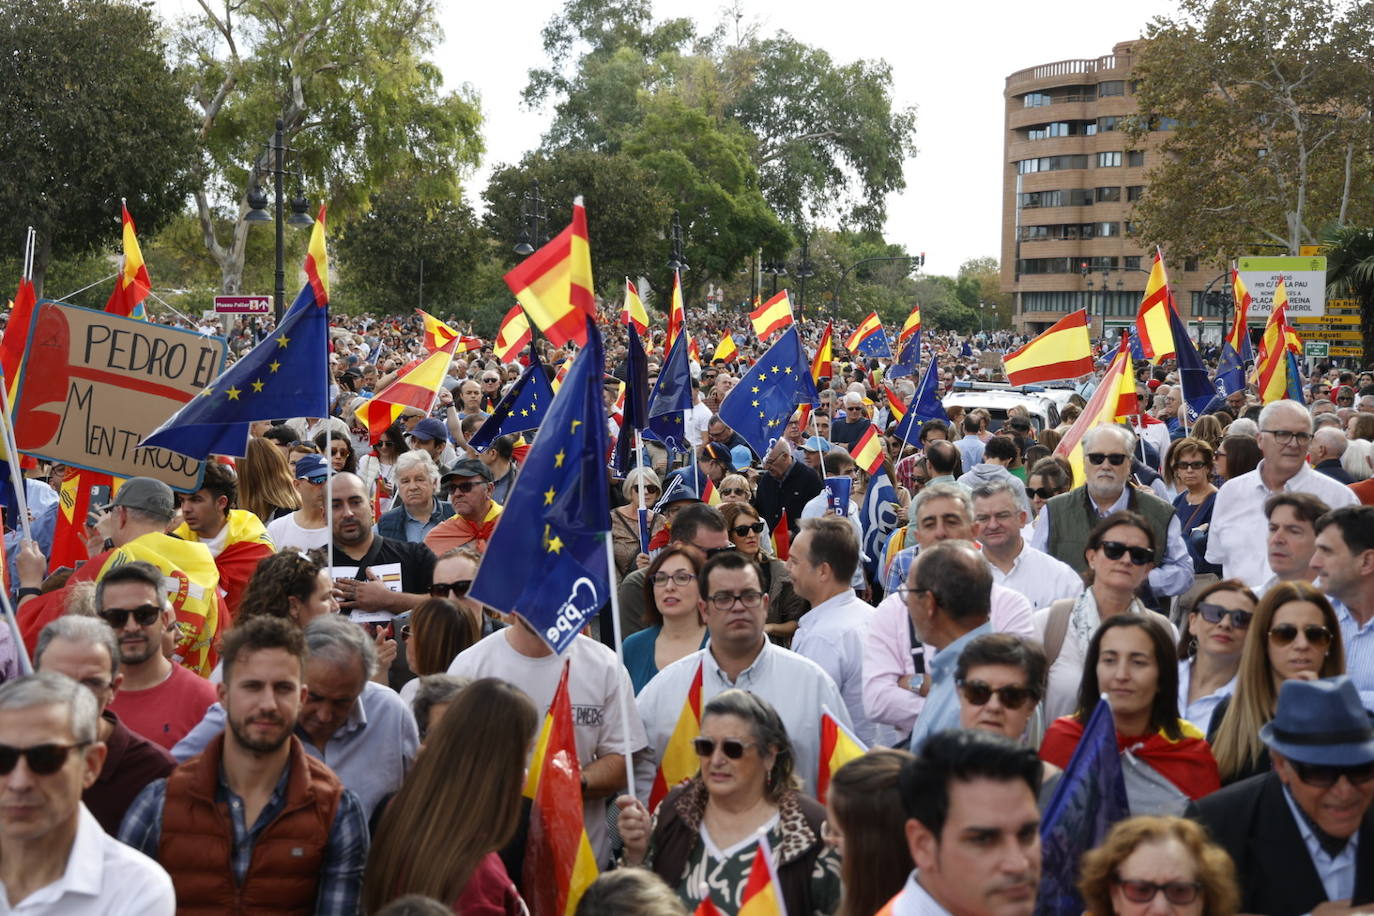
792	493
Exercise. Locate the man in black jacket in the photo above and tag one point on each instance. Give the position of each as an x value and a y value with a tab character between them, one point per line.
788	484
1303	834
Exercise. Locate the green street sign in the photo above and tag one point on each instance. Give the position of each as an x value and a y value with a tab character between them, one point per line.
1316	349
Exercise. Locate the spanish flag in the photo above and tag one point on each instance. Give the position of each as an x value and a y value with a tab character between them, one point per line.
437	333
1152	320
868	451
762	893
555	283
317	262
1275	370
677	317
1061	351
416	387
562	372
866	329
773	315
680	762
1114	399
896	407
781	537
821	362
513	336
559	862
726	349
910	327
633	312
132	284
838	747
1239	338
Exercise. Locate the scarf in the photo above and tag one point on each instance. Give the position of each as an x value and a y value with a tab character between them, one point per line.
1085	618
1186	762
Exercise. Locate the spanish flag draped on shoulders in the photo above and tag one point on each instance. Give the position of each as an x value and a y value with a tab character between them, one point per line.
240	546
1186	762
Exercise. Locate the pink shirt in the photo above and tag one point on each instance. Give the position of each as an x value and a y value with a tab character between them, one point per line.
165	713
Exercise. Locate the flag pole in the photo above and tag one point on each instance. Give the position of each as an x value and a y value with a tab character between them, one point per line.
643	509
25	665
628	752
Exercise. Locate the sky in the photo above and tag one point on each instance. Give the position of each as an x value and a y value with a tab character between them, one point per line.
950	60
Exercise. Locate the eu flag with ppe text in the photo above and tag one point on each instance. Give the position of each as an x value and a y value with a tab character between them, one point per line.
767	395
557	517
522	408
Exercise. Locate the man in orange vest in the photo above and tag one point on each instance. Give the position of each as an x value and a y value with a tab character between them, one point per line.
255	787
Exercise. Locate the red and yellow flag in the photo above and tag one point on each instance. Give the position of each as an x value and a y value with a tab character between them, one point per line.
513	336
562	372
709	495
782	538
559	862
838	747
632	312
868	451
867	328
555	283
762	893
773	315
1241	298
726	349
910	327
132	284
677	316
1063	350
415	387
1152	320
1114	399
437	333
16	334
896	407
680	761
1272	369
317	261
706	908
825	354
693	351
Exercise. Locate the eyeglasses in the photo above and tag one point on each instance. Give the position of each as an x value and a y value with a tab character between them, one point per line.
1116	459
648	488
467	485
1285	436
750	599
712	551
459	589
144	616
920	481
1324	776
405	631
1179	893
734	491
1041	493
1212	613
1114	550
1190	465
741	531
1316	636
730	747
43	759
681	577
979	693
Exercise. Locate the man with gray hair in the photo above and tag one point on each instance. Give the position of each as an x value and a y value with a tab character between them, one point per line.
418	509
362	729
1328	445
999	514
54	856
84	649
1063	526
1285	430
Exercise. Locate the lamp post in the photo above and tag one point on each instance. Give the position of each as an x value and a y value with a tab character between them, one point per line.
914	262
776	269
534	222
257	208
804	270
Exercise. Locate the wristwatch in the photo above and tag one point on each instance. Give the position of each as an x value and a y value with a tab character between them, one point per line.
916	683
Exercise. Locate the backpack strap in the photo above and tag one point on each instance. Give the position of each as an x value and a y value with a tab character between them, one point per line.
1056	628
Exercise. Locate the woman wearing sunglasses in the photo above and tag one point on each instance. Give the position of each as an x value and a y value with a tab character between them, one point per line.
1189	470
675	627
707	830
435	631
1209	648
1294	634
625	519
1131	659
734	488
750	536
1158	865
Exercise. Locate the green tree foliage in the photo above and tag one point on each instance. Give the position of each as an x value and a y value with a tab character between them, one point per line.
1273	138
91	113
978	285
1350	272
360	103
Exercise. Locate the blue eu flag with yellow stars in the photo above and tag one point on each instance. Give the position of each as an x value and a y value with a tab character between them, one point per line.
671	398
925	405
284	376
522	408
767	395
549	550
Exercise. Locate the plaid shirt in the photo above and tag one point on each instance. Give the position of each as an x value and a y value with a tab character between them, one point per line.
341	876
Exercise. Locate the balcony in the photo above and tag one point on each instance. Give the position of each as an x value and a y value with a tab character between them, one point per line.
1063	68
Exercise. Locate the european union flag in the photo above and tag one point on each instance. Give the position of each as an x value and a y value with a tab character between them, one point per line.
1090	798
671	398
284	376
1230	371
767	395
909	360
966	350
557	520
1294	378
1137	350
876	344
635	414
925	405
521	409
1197	390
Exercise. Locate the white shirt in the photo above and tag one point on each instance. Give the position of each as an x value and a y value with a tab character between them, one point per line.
915	900
796	687
1199	712
817	506
1337	872
595	679
1235	539
1038	576
832	635
698	418
1358	642
286	533
103	878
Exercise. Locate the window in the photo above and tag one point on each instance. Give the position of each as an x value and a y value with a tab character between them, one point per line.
1051	164
1108	160
1111	87
1111	122
1045	266
1135	192
1035	100
1130	230
1080	197
1105	230
1034	199
1100	263
1190	264
1131	262
1053	129
1107	195
1165	123
1051	302
1134	158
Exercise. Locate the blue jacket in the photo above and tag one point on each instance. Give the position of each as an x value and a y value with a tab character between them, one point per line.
392	524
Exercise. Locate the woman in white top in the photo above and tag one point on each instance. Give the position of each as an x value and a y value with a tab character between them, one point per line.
1209	648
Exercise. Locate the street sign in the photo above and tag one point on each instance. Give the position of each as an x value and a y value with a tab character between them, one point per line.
1343	305
1357	352
243	305
1329	318
1316	349
1329	335
1304	279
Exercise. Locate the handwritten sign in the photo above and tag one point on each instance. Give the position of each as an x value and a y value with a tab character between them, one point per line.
94	384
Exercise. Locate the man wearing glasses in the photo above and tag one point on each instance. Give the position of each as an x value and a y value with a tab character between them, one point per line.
1238	516
999	514
475	513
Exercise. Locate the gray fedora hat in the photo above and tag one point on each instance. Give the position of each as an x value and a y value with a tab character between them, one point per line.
1321	722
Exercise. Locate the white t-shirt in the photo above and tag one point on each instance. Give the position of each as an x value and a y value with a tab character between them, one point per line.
286	533
594	682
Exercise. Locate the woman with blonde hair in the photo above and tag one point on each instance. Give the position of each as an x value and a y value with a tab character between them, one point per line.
265	482
1144	858
625	519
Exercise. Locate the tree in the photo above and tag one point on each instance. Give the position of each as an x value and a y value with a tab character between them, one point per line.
979	284
1350	271
1270	105
941	309
359	102
86	126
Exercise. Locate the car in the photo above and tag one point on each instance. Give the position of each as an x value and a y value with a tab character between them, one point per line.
998	398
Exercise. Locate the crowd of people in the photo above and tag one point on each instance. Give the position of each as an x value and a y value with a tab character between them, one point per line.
227	717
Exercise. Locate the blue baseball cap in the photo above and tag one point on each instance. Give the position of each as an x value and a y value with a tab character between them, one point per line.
429	429
312	468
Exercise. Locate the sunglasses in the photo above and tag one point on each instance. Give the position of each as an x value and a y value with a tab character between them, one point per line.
1116	459
1324	776
1179	893
734	491
442	589
1285	633
1114	550
467	485
979	693
730	747
1190	465
1041	493
712	551
1212	613
744	530
144	616
43	759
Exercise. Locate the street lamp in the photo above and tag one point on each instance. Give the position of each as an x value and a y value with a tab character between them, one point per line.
804	270
914	263
257	212
776	269
534	222
676	260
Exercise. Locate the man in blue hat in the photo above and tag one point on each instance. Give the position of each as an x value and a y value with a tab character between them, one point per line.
1302	836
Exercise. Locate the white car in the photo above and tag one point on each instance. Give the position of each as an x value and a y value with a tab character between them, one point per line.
997	398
